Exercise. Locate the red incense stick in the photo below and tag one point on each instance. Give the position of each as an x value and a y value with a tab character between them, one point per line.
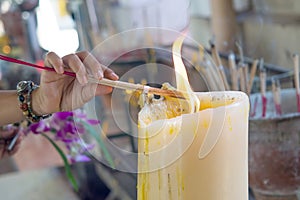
9	59
263	77
264	105
253	113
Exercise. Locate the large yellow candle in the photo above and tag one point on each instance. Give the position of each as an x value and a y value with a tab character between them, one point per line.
195	148
202	155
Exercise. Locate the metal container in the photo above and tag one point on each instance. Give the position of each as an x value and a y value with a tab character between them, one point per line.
274	149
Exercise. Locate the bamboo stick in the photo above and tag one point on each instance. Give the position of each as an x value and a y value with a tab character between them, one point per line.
276	96
233	72
139	87
242	79
252	75
240	50
244	69
245	76
220	66
263	77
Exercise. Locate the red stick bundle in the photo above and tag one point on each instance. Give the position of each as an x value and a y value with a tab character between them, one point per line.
264	105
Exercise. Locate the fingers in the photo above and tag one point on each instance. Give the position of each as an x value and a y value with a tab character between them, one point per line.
17	146
7	134
95	68
82	63
71	60
53	60
77	66
108	73
6	139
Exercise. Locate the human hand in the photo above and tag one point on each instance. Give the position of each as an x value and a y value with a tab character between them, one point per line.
59	92
6	136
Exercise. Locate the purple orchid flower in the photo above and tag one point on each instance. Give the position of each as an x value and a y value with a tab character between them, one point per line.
78	152
66	127
38	128
79	158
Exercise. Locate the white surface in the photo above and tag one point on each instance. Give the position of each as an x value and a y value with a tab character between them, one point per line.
55	33
202	7
46	184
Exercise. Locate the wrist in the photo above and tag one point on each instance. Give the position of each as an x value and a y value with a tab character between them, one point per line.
36	103
44	101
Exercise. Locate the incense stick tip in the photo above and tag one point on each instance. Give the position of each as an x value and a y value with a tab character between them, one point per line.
231	56
212	43
261	65
295	55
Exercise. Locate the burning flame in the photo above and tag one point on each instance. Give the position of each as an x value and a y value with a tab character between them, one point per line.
182	82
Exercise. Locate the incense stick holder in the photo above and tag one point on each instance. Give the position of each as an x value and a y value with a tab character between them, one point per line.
274	148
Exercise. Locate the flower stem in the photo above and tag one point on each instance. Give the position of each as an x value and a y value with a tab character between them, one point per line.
68	171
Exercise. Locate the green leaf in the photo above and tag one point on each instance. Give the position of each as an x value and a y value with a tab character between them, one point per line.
68	171
100	142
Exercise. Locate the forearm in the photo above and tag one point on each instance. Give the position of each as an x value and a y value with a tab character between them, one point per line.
9	108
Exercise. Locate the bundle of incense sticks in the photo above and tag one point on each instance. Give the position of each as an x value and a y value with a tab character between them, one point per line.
103	81
242	79
276	96
296	79
205	70
241	72
205	67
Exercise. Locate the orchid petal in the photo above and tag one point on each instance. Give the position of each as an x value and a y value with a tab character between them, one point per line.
93	121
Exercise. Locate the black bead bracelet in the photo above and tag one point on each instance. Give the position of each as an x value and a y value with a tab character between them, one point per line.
24	90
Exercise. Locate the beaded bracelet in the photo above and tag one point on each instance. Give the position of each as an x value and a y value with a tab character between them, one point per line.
24	90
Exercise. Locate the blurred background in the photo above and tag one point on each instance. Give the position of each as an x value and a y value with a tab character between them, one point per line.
257	32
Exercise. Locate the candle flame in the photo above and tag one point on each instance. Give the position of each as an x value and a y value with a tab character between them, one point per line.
182	82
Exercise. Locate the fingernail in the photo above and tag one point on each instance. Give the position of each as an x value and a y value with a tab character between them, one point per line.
61	69
100	74
115	75
84	80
